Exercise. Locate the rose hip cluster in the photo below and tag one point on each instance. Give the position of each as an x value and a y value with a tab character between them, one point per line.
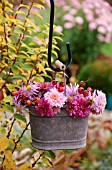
59	85
83	91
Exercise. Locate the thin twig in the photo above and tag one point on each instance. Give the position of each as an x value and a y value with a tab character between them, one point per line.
38	159
8	135
4	26
21	37
20	137
13	25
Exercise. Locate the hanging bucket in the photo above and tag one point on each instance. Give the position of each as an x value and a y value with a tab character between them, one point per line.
59	132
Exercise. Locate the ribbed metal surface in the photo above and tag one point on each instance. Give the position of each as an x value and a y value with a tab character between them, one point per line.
58	132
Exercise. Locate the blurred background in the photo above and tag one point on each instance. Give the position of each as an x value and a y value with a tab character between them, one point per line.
87	25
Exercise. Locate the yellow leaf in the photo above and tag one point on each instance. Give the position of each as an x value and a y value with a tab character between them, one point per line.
38	6
47	161
19	146
31	23
34	57
22	125
12	130
4	142
55	53
1	82
20	12
38	15
41	68
23	52
11	141
1	117
38	78
9	163
25	6
1	28
26	166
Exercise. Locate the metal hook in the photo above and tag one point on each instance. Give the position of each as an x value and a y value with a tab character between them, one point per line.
50	41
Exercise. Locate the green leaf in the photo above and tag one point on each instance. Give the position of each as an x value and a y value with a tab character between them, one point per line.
15	69
22	56
18	31
7	99
20	117
38	79
47	161
51	154
8	108
24	45
27	67
18	76
12	87
31	52
45	75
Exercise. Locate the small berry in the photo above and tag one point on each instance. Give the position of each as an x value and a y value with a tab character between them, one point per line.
61	84
54	82
80	90
28	102
14	93
1	95
85	93
24	96
82	83
37	99
60	89
90	89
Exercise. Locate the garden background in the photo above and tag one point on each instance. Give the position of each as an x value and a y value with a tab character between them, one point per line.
24	31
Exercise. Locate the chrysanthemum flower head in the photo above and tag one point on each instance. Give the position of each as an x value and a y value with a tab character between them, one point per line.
99	102
44	108
55	98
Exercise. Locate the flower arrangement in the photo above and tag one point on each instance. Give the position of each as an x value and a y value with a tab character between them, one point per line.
48	98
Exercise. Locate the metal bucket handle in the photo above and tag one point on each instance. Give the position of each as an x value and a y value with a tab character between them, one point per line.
50	42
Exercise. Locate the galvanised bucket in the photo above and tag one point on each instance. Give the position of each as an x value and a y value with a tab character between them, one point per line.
59	132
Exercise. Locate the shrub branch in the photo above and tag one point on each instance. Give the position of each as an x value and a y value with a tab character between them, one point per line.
16	142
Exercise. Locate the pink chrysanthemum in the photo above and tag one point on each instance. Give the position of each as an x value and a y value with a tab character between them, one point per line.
55	98
78	106
99	102
44	108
